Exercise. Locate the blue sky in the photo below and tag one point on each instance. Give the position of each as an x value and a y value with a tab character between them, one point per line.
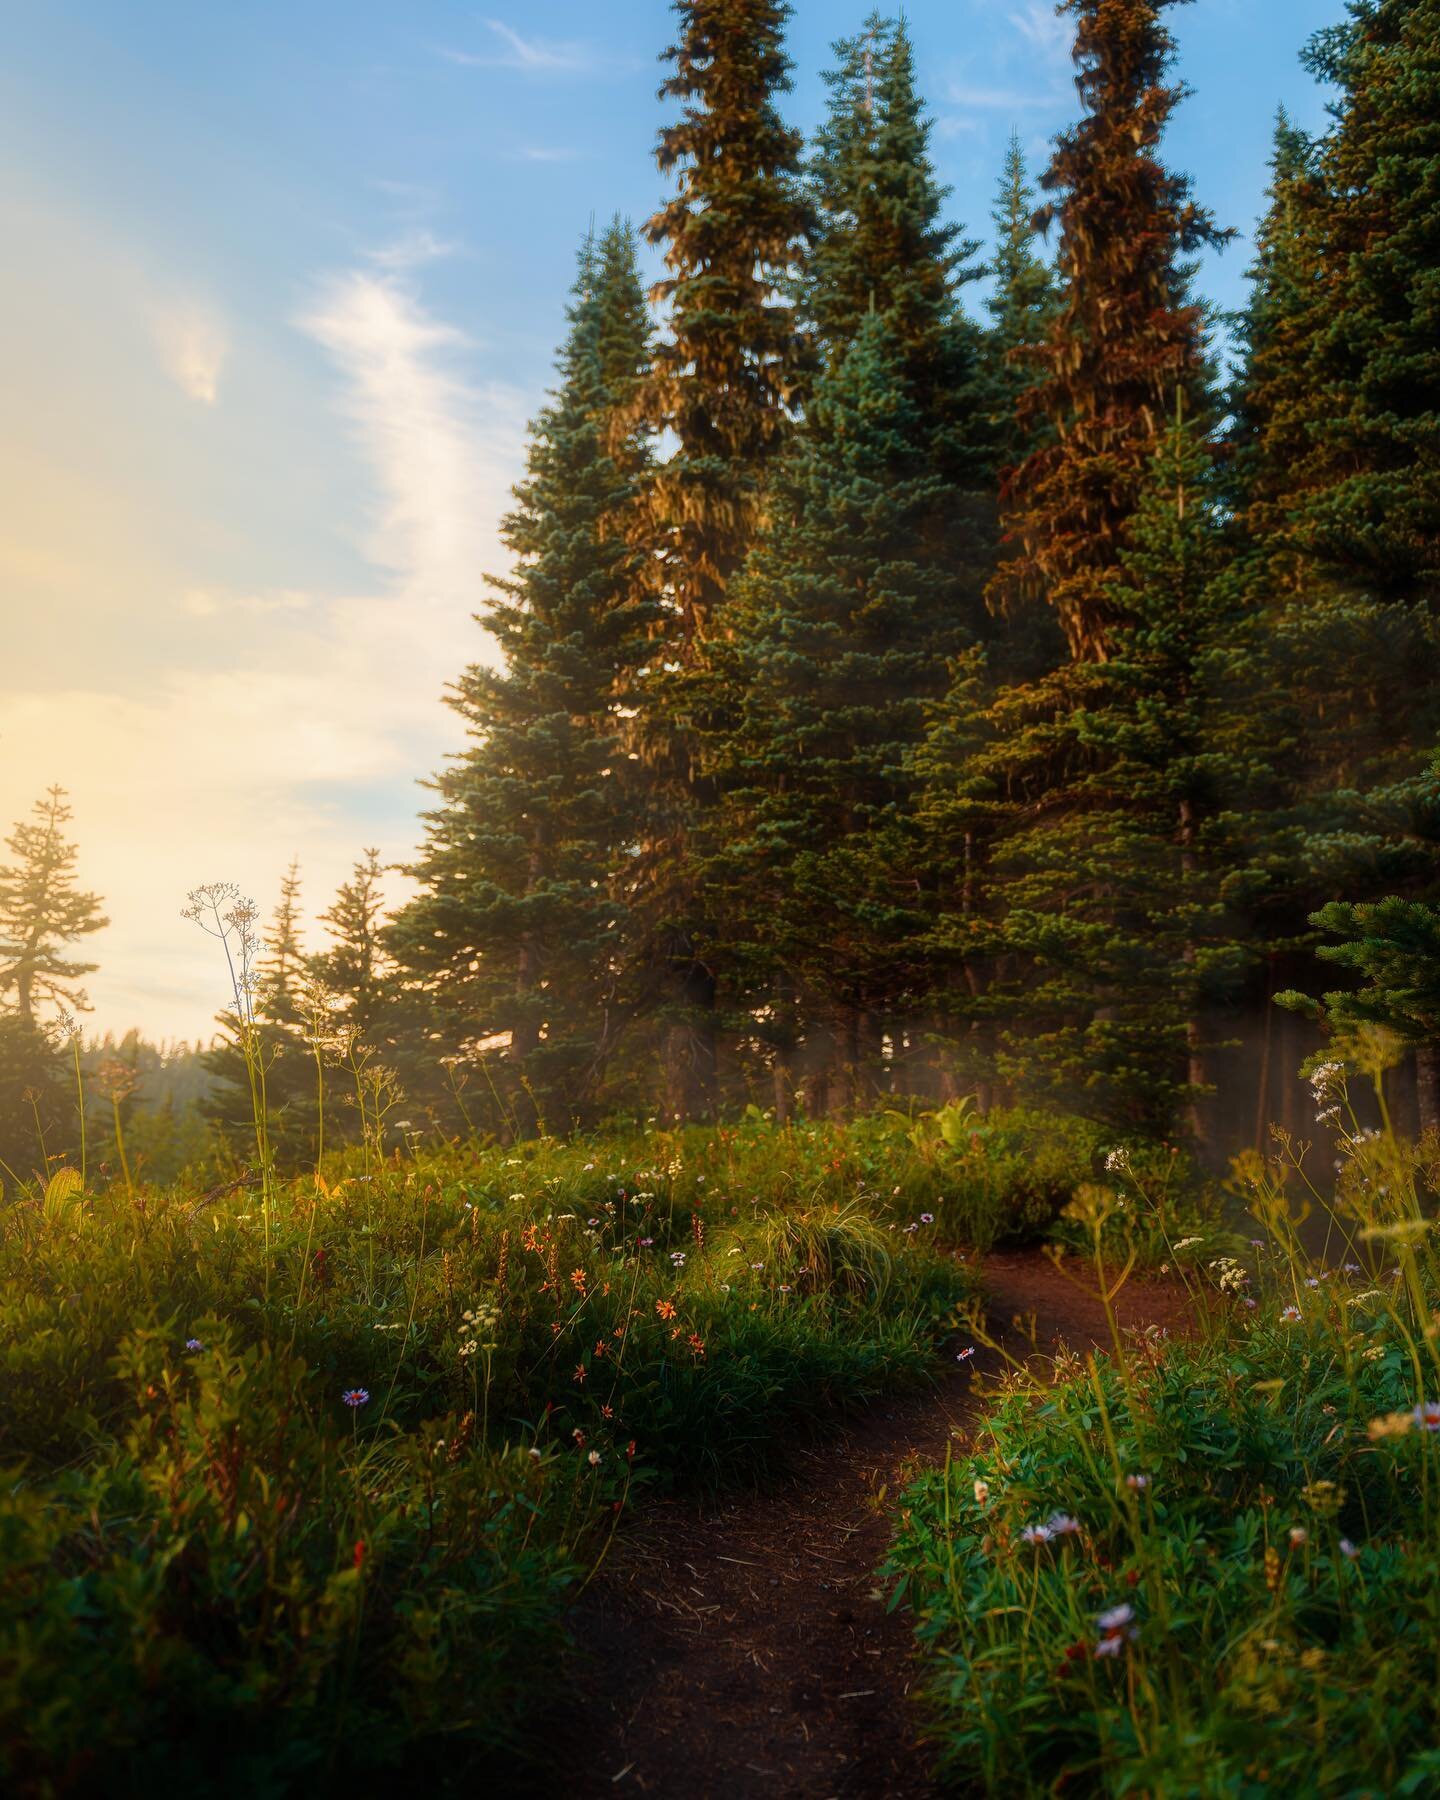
283	283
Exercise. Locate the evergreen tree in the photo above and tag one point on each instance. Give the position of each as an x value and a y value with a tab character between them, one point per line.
42	911
1376	521
1126	780
353	970
282	967
880	244
721	384
723	376
837	650
517	929
1021	306
1125	337
1394	945
1275	399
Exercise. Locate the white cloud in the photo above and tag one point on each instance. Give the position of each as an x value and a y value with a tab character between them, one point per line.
536	55
443	450
541	155
411	250
193	346
1049	32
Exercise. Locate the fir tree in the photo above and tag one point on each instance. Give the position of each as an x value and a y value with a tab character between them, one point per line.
1275	399
1020	305
881	245
42	911
517	928
282	967
721	385
1125	778
353	970
1125	337
1377	520
723	376
836	623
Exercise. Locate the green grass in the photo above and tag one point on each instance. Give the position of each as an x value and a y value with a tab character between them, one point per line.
218	1573
1235	1587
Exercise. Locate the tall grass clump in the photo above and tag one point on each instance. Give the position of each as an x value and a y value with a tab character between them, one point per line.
297	1477
1209	1563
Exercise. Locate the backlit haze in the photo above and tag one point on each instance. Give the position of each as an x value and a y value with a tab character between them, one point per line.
282	286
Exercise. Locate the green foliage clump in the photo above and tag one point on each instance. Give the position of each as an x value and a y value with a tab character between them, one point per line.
1207	1564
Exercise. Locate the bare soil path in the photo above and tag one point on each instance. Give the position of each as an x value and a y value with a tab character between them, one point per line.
745	1649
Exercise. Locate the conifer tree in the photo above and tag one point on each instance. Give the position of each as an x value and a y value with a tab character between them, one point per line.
517	928
722	377
881	245
1125	337
1377	520
1275	399
836	644
721	385
1127	777
282	967
42	911
353	969
1020	305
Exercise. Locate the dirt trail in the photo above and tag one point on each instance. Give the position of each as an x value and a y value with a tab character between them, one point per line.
745	1649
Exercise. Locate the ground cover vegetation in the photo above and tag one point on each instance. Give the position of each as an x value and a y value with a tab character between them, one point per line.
1206	1564
934	754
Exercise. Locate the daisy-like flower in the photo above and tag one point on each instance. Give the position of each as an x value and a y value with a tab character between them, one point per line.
1299	1535
1427	1415
1116	1625
1348	1550
982	1493
965	1354
535	1453
1036	1534
1350	1268
645	1243
1110	1646
678	1258
354	1397
757	1267
193	1344
1062	1525
1290	1314
593	1459
1137	1483
1118	1618
784	1287
1311	1282
927	1218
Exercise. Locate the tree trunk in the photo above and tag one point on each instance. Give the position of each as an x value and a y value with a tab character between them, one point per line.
690	1047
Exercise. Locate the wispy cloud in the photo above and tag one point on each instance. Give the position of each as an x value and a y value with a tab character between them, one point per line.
1001	99
442	449
410	250
1044	29
542	154
535	55
193	345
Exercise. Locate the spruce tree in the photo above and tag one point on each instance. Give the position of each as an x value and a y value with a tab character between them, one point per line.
282	967
1126	778
722	384
42	911
836	644
881	245
517	929
1020	305
723	375
1377	520
1126	336
354	968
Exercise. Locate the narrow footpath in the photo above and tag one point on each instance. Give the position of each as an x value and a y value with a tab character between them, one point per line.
745	1649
